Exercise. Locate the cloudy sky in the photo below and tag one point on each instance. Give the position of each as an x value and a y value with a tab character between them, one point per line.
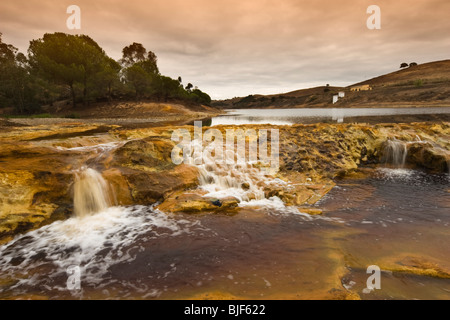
234	48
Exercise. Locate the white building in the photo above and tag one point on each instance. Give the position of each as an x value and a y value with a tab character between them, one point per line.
335	99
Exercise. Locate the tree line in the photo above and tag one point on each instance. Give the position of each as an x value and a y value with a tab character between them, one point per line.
75	68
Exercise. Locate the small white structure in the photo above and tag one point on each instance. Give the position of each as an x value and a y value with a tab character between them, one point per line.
339	95
335	99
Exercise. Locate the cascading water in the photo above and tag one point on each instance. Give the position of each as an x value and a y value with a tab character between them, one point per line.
247	181
99	236
91	193
243	182
395	153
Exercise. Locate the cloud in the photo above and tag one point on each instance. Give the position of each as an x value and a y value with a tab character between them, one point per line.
232	47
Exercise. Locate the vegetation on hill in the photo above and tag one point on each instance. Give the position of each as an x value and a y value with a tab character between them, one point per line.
64	67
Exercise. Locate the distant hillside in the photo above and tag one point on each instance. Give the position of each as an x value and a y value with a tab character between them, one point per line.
432	72
419	86
297	99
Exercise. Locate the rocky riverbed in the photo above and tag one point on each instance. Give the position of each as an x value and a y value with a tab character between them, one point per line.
38	164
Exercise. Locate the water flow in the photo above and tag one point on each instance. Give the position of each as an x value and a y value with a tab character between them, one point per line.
243	182
41	258
247	181
91	193
395	153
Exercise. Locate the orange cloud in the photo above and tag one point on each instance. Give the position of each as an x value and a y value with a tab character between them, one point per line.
234	47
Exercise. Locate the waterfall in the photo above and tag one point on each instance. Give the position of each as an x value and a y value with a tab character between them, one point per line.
246	181
240	181
91	193
240	164
395	153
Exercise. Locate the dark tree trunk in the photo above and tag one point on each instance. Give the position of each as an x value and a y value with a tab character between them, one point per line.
74	102
109	93
85	92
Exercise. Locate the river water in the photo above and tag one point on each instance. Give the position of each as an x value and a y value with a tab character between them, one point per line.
314	115
397	219
391	218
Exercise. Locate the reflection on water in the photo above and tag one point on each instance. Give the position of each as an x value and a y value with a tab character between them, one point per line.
137	252
402	222
308	115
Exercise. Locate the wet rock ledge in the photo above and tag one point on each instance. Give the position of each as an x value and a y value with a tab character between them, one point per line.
37	165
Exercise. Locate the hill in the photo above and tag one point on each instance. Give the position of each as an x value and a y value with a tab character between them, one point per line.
426	85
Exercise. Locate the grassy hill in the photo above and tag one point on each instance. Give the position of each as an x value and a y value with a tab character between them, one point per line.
424	85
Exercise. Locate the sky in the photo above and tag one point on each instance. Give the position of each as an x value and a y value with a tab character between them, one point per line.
234	48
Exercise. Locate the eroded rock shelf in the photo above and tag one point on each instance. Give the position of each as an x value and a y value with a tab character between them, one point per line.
37	165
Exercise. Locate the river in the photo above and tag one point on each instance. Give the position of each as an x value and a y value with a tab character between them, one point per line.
347	115
393	217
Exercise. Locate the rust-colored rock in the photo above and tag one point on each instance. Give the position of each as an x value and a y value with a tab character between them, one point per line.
150	187
37	164
194	203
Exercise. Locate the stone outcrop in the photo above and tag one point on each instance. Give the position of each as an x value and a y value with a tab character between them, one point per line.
34	190
329	150
147	168
37	163
427	156
333	150
37	173
194	203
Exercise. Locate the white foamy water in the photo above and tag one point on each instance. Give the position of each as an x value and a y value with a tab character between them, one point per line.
397	174
100	148
97	151
249	182
243	182
94	243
